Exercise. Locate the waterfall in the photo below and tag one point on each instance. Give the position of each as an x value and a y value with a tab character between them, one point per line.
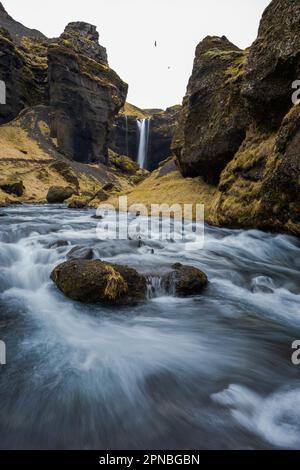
144	130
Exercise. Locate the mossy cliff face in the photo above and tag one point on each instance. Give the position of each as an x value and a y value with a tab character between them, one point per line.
72	75
85	94
16	30
274	63
213	122
23	68
239	128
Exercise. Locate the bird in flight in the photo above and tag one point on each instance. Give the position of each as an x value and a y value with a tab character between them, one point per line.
155	44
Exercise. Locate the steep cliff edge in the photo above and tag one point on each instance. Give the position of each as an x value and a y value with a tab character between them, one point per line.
72	75
85	94
24	70
213	122
239	129
16	30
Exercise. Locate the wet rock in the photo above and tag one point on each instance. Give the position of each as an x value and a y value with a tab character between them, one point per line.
59	194
99	282
81	252
185	280
78	204
12	187
97	217
58	244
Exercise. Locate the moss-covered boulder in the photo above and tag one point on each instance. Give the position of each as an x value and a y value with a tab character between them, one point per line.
11	186
77	203
59	194
66	172
124	164
185	281
100	282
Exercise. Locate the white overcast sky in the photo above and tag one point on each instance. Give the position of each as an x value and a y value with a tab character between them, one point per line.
129	28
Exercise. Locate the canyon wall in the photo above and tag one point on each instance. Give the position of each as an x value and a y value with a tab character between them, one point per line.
71	75
239	128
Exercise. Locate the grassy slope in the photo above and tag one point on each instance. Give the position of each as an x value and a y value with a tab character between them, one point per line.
26	153
172	188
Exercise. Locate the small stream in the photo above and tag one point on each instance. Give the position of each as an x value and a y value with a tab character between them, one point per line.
208	372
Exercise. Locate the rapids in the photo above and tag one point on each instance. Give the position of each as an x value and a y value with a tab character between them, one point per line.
208	372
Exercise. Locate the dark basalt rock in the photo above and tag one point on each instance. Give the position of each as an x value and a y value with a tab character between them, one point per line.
81	252
85	94
78	204
125	136
185	280
16	30
23	68
12	187
239	128
66	172
273	64
72	75
213	121
58	244
58	194
162	129
99	282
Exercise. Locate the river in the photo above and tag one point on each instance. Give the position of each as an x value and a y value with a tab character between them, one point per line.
208	372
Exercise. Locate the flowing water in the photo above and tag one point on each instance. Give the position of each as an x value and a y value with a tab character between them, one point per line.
212	372
144	131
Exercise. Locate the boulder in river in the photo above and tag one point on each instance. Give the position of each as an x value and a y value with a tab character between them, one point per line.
96	281
81	252
59	194
77	204
58	244
185	280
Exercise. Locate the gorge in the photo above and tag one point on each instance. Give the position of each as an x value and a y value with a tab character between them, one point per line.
140	342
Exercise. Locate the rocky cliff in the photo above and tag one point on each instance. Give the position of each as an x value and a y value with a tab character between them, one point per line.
72	75
239	129
23	68
16	30
85	94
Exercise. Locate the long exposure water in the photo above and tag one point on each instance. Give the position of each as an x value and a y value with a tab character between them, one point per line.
209	372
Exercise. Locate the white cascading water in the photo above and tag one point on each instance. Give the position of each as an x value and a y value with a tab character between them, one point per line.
195	367
144	130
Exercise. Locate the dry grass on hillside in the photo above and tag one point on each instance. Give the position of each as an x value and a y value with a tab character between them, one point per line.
171	188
